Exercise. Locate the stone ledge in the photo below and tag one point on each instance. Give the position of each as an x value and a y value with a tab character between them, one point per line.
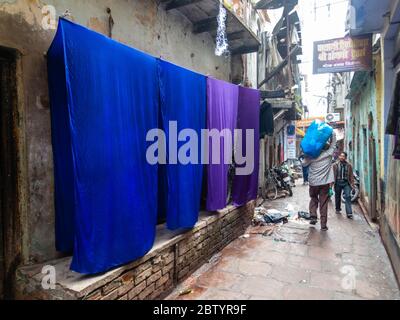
159	268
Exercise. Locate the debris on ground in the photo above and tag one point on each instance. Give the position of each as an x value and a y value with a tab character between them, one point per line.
267	229
260	210
276	218
290	209
269	232
304	215
262	216
245	236
215	258
185	292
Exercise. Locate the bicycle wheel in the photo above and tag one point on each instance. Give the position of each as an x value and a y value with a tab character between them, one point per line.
270	190
289	189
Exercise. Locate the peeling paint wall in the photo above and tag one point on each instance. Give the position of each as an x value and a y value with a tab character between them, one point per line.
360	157
138	23
392	169
392	208
363	128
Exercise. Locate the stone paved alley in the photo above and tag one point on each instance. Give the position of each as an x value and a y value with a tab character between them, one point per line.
298	262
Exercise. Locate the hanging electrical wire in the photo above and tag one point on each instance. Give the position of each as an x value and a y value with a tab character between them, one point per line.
328	5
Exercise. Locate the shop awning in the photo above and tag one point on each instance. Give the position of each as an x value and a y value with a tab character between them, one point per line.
357	83
305	123
203	15
300	132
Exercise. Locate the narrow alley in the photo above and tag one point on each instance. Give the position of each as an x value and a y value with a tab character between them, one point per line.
168	149
298	262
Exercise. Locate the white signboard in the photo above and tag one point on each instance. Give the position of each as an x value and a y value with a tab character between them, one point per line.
290	142
333	117
291	147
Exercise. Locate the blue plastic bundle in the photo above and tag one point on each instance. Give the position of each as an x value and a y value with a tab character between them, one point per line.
315	139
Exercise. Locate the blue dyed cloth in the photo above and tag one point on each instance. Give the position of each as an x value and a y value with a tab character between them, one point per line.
316	138
104	100
183	100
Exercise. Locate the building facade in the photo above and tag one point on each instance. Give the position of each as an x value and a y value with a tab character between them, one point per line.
379	119
363	135
180	32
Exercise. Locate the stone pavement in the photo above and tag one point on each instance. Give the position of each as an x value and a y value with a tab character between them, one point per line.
298	261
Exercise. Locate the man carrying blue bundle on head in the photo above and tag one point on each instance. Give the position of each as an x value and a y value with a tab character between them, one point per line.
320	178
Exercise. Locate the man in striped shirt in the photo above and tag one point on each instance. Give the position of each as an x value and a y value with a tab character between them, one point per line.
320	178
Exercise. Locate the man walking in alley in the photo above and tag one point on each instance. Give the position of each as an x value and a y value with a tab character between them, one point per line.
320	177
344	182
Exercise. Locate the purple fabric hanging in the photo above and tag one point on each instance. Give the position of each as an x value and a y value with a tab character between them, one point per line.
222	104
245	188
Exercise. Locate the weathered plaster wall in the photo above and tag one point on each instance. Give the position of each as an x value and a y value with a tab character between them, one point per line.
392	210
392	205
363	127
138	23
390	222
363	104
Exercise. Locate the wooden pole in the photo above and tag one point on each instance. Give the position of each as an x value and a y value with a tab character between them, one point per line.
288	42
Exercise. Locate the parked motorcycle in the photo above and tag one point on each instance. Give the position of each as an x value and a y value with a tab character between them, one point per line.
288	170
294	164
283	180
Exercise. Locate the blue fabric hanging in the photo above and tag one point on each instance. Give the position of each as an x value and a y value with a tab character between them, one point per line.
104	100
183	100
62	148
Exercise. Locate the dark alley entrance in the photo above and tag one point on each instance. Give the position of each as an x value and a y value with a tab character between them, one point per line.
10	231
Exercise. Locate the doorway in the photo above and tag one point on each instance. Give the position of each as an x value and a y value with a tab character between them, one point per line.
374	180
10	227
374	169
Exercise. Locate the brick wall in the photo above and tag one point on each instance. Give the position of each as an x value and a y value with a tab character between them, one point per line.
156	274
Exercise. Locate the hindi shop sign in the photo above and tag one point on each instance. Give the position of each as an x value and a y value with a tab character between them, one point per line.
343	54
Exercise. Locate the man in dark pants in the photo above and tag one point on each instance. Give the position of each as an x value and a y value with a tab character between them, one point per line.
344	182
320	177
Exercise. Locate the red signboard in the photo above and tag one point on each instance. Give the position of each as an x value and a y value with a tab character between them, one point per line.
343	54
